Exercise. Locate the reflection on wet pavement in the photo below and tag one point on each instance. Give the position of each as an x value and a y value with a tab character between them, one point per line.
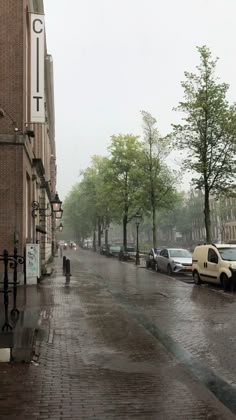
198	318
102	353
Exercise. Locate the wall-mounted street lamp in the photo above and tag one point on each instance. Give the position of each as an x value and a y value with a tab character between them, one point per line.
53	207
56	203
137	219
60	227
58	214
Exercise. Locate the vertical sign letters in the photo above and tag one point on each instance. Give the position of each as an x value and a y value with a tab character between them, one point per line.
37	68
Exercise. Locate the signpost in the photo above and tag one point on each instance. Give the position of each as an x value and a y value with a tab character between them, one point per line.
33	261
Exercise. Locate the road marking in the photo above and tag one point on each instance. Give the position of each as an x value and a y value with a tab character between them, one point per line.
50	336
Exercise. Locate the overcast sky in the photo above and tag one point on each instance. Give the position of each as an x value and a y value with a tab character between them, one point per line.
114	58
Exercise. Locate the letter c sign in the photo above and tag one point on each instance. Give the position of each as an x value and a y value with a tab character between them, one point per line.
37	31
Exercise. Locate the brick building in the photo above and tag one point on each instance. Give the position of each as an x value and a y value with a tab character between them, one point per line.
27	135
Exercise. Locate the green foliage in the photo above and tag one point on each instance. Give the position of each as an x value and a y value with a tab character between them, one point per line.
124	175
158	181
208	132
78	213
184	213
189	213
87	202
169	217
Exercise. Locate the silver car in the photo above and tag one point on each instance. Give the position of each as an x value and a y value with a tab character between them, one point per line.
151	258
174	260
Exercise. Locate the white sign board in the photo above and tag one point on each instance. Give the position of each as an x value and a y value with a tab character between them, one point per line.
37	44
32	260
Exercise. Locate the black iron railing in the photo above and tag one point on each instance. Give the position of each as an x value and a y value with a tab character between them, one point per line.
10	262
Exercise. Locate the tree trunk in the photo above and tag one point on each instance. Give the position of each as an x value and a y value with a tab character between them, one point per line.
125	218
94	240
106	238
154	238
99	234
207	216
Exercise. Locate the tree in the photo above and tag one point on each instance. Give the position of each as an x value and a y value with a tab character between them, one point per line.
100	168
169	220
78	213
124	179
209	132
91	203
158	181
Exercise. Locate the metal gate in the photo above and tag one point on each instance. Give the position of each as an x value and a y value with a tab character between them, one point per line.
10	262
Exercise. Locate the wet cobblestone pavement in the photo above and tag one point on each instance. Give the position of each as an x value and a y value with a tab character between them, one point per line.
104	347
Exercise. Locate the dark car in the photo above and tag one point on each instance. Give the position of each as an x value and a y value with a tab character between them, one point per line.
104	248
151	258
127	254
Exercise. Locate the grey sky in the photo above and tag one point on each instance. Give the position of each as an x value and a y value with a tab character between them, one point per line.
113	58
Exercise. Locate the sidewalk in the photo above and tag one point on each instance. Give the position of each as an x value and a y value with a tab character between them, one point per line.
92	360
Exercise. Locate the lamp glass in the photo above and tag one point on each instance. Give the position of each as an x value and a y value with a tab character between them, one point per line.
137	218
56	203
58	214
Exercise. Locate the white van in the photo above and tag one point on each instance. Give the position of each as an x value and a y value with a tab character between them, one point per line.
215	264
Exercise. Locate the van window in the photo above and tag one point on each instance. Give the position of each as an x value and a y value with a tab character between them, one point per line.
228	254
212	256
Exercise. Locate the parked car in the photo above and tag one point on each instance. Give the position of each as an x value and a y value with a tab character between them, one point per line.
174	260
127	254
103	249
114	250
215	264
151	258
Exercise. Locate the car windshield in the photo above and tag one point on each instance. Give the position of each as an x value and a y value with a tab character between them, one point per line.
181	253
115	248
228	254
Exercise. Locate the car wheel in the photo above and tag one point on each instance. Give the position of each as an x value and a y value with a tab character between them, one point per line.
225	282
147	264
196	278
232	285
169	270
157	268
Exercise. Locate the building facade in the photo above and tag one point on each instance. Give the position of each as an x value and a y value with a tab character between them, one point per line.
27	129
223	219
190	227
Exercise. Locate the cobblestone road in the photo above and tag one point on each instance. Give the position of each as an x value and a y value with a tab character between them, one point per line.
99	358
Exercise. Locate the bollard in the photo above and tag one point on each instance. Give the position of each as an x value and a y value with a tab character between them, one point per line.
64	265
67	271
